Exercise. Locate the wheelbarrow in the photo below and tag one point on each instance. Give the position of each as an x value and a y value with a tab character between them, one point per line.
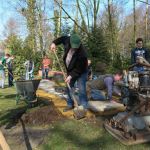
26	90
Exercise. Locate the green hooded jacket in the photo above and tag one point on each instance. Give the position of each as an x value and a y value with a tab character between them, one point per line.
3	63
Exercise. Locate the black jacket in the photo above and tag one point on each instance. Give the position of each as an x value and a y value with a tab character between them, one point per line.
78	64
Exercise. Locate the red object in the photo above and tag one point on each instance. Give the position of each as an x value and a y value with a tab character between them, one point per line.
46	63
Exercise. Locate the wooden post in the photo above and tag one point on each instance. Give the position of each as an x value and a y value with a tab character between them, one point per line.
3	142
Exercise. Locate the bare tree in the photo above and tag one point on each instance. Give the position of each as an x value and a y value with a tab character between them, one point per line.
146	22
134	30
58	16
91	10
11	27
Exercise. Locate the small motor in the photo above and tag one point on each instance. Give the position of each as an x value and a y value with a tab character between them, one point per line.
133	79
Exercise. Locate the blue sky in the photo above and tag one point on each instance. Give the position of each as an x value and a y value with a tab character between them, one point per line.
7	10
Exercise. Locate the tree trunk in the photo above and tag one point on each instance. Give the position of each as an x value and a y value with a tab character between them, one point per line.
110	30
95	10
32	23
57	16
76	19
134	32
146	21
81	14
60	17
40	30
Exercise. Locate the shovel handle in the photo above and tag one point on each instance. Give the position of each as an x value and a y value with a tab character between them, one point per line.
70	89
8	70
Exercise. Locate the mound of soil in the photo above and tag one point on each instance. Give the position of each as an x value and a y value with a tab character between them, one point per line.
42	116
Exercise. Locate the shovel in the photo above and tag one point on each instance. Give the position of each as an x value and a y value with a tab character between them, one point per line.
79	112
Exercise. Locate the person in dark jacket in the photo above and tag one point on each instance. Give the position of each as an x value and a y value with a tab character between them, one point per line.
139	51
75	60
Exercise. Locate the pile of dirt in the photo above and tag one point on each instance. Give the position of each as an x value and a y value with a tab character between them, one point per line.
42	116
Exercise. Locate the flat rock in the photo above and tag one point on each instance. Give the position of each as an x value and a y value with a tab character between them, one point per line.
105	107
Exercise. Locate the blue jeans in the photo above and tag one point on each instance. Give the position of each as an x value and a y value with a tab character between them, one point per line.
97	95
81	83
139	69
45	73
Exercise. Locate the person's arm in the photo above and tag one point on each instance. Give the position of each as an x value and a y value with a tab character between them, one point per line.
60	40
109	85
3	61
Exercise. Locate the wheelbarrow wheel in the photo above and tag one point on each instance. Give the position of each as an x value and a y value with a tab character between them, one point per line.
33	103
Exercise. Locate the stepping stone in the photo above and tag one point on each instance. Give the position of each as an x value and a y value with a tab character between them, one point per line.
105	107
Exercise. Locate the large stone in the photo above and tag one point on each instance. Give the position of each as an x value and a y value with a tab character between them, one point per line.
105	107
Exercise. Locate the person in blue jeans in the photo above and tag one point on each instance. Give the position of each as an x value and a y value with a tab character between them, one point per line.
96	87
46	62
75	60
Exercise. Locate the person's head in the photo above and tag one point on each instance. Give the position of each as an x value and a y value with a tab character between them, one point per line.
45	56
139	42
7	56
75	41
118	76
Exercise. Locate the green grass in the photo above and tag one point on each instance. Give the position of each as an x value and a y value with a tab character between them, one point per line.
80	135
67	134
8	105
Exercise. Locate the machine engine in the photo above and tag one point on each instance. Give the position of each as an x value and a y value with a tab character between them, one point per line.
134	123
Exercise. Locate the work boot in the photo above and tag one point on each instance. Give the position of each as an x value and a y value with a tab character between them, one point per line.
67	108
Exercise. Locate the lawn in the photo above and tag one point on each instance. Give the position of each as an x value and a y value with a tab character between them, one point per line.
67	134
80	135
8	105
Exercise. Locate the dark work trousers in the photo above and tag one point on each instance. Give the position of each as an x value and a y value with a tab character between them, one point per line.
10	77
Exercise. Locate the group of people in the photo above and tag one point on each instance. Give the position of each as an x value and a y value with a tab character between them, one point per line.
76	63
6	65
78	69
45	67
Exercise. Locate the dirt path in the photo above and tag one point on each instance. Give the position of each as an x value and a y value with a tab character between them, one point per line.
29	131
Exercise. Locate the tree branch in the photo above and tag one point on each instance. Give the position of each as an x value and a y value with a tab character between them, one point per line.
71	18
